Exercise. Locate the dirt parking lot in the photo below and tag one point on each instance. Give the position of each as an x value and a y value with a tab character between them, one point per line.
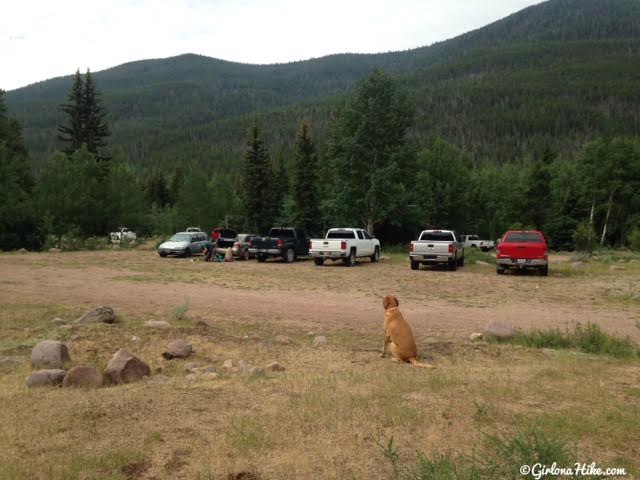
323	416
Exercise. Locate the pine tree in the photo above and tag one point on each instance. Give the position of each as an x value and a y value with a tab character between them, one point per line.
304	182
73	134
96	129
256	183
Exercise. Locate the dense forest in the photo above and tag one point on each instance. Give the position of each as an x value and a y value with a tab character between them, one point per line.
530	121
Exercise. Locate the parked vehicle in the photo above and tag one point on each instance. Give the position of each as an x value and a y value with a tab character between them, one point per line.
473	241
225	237
437	246
286	242
241	246
123	234
184	244
193	229
522	250
346	244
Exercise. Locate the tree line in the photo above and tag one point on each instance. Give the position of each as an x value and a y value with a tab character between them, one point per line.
369	171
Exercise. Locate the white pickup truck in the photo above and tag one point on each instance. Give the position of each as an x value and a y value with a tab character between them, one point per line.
122	235
473	241
436	246
346	244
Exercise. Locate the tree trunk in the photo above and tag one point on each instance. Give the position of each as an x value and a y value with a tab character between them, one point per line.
606	219
593	206
370	227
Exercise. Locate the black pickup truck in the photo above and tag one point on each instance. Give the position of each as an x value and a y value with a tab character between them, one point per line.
287	243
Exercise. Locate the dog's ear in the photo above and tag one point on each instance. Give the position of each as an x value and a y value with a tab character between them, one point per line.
386	301
397	301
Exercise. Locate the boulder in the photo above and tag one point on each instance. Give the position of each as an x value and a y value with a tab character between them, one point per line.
177	349
46	378
125	367
156	324
49	354
98	315
319	341
499	330
82	376
275	367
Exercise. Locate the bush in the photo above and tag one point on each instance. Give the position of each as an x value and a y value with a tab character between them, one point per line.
584	238
634	239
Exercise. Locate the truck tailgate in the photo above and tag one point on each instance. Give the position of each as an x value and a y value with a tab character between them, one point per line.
523	250
431	248
326	245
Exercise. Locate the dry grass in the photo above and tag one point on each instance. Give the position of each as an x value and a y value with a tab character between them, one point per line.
318	418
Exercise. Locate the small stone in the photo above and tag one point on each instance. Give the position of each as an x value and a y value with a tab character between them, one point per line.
125	367
275	367
177	349
135	339
58	321
98	315
499	330
49	354
82	376
156	324
227	364
46	378
256	372
475	337
283	340
319	341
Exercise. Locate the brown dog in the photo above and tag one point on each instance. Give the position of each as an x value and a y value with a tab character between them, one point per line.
397	332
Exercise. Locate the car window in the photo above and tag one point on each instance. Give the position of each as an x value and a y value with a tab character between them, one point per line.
366	235
473	237
341	234
523	237
229	233
281	232
181	237
360	235
437	236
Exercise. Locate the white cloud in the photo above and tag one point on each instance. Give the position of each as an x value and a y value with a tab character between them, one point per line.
43	39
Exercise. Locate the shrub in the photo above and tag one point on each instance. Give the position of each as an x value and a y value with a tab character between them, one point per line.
584	238
634	239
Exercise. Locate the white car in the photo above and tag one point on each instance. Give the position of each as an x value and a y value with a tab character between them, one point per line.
473	241
346	244
184	244
123	234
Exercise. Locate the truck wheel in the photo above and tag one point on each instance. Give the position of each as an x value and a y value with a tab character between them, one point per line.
415	265
318	261
484	249
289	256
544	271
499	270
261	258
350	261
453	265
162	254
375	258
461	262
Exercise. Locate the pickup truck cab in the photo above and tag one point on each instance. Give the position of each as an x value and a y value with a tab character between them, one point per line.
346	244
474	241
436	247
285	242
522	250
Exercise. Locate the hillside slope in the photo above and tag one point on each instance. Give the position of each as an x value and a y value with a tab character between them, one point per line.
559	72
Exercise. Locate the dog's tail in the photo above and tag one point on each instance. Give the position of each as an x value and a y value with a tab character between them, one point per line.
414	361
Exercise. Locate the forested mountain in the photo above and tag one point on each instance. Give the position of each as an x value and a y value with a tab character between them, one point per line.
557	74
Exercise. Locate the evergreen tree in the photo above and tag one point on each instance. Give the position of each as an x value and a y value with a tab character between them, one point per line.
73	134
256	184
371	154
304	181
157	191
96	129
538	190
279	189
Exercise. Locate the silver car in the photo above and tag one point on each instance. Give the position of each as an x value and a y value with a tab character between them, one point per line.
184	244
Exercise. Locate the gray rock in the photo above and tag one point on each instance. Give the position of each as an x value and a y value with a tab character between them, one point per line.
45	378
9	364
256	372
82	376
49	354
228	364
283	339
475	337
156	324
499	330
319	341
58	321
177	349
98	315
125	367
275	367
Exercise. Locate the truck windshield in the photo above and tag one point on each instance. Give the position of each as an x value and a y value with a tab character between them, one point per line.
341	234
437	236
523	237
281	233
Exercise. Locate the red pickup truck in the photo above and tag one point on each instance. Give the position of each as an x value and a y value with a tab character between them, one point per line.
522	250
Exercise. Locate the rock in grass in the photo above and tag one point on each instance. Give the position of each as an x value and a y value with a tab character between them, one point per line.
125	367
177	349
319	341
475	337
49	354
275	367
156	324
98	315
228	364
46	378
499	330
82	376
58	321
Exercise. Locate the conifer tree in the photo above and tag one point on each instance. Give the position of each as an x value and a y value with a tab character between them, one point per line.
256	182
96	129
304	181
72	134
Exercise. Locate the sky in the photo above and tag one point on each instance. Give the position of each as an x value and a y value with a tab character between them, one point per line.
45	39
